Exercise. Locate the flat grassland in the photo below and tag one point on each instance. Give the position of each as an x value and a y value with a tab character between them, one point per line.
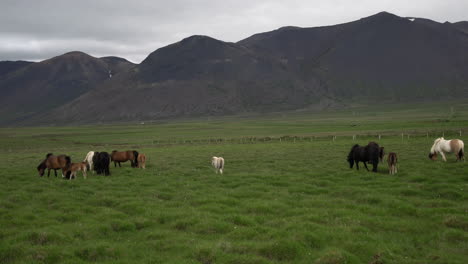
287	194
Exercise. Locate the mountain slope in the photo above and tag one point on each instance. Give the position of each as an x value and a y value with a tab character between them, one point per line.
11	66
382	56
196	76
45	85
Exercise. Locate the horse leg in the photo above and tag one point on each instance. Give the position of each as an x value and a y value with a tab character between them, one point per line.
55	171
357	165
365	165
48	172
443	156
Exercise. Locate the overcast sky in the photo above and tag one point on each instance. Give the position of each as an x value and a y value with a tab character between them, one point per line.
41	29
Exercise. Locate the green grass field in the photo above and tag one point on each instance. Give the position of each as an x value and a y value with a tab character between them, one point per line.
288	201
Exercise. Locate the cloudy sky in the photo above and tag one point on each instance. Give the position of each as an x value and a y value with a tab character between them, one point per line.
40	29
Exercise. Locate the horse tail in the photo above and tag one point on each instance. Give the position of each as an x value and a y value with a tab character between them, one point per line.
461	153
221	163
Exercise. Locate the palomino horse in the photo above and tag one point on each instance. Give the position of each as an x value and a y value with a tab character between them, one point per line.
55	163
369	153
141	161
441	145
218	164
74	167
123	156
392	162
89	160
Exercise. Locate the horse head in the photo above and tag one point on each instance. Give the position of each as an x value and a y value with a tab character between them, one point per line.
41	168
433	156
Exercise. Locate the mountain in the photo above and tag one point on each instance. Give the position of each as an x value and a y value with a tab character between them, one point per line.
196	76
382	58
45	85
463	26
11	66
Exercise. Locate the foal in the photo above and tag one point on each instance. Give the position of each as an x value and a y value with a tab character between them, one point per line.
74	167
392	162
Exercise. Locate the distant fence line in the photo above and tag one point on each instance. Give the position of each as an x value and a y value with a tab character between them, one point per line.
332	137
432	134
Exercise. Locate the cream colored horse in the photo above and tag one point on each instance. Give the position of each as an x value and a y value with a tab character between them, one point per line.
89	160
442	146
218	164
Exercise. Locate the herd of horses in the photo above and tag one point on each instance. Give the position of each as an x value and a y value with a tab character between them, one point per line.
372	153
94	161
99	162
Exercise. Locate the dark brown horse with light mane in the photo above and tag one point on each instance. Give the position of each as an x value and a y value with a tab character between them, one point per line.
55	163
123	156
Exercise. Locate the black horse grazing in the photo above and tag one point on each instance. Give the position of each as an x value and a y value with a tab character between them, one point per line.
101	162
369	153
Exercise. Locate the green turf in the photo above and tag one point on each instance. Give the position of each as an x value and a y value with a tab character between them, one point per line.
288	201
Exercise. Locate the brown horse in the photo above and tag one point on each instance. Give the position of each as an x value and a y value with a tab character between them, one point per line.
74	167
55	163
392	162
141	160
123	156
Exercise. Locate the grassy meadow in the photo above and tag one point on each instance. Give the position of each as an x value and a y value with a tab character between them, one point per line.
293	200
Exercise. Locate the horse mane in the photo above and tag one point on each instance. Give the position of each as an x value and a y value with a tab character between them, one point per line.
436	141
42	165
350	155
48	155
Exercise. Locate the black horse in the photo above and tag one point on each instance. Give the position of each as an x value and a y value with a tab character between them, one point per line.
101	162
369	153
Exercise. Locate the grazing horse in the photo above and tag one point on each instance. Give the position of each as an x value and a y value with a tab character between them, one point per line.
89	160
392	162
141	161
123	156
218	164
369	153
453	145
101	162
74	167
55	163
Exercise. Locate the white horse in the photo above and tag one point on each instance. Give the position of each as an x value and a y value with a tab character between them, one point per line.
89	160
218	164
441	145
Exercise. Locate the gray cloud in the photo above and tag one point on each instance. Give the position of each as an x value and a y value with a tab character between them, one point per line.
37	30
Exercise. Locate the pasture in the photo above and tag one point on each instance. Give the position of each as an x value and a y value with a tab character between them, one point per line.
288	201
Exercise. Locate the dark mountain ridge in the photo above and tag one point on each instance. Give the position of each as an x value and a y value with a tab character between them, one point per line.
384	58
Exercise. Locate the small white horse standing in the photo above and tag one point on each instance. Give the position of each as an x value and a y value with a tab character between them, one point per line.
89	160
441	145
218	164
